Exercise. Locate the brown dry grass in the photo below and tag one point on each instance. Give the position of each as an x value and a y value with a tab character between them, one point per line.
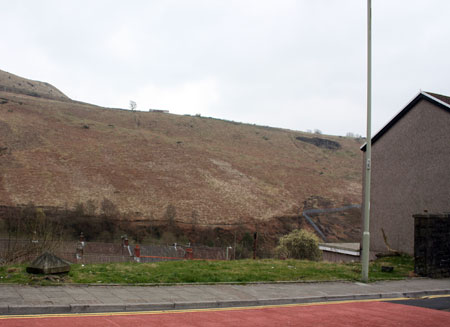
13	83
62	152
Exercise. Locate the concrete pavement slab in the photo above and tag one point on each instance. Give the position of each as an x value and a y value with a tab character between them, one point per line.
159	293
22	299
150	306
125	294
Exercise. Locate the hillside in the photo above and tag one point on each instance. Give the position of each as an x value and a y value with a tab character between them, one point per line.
12	83
58	152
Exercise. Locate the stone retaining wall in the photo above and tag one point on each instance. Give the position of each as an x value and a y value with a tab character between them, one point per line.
432	245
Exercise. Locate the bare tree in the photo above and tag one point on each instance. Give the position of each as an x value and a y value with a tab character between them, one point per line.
133	105
170	215
90	207
30	232
194	217
109	209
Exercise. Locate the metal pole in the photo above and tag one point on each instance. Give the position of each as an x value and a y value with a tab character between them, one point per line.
366	234
234	249
255	244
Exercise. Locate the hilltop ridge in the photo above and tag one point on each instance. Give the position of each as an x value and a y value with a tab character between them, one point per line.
16	84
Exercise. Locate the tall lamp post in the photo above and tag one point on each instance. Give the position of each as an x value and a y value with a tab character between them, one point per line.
366	234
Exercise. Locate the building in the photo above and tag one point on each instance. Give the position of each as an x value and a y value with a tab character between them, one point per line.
410	171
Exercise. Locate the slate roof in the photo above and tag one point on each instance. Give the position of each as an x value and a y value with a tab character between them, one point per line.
441	101
443	98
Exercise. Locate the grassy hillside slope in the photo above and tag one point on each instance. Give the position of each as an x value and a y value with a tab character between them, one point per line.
16	84
57	152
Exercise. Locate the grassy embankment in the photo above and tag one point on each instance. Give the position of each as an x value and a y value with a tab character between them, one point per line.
213	272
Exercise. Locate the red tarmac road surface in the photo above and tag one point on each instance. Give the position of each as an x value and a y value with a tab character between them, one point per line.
329	315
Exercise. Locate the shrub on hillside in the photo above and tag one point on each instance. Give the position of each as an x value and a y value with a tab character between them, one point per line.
299	244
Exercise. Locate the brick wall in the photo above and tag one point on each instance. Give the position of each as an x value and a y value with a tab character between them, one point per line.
432	245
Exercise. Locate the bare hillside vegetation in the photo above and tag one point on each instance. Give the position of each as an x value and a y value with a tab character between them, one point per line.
12	83
163	167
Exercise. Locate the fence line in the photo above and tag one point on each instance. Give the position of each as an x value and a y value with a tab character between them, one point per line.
102	252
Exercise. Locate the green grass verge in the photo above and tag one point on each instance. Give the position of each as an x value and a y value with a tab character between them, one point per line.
267	270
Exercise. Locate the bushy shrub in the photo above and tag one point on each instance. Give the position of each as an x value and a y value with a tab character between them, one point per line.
299	244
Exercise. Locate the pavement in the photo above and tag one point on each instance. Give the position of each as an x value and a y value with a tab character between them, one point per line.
26	299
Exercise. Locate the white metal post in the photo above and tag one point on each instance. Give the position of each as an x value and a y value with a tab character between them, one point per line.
366	234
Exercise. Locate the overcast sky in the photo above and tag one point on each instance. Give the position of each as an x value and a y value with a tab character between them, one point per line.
297	64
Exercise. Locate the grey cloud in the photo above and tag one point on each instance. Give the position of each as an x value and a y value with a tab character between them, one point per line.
294	64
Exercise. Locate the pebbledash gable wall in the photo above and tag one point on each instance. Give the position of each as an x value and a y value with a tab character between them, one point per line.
410	174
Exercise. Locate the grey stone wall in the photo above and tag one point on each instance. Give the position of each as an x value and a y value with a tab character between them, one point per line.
432	245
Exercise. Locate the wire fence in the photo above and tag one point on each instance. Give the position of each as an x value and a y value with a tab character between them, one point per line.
18	251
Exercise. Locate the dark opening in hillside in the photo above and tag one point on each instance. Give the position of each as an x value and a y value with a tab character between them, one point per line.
320	142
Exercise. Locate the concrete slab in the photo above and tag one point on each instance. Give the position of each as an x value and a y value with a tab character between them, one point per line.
194	305
161	294
36	309
125	294
85	308
150	306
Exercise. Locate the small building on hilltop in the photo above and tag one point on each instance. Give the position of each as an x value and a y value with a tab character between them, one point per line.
410	171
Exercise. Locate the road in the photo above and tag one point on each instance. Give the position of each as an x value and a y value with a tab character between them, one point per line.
355	313
437	302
